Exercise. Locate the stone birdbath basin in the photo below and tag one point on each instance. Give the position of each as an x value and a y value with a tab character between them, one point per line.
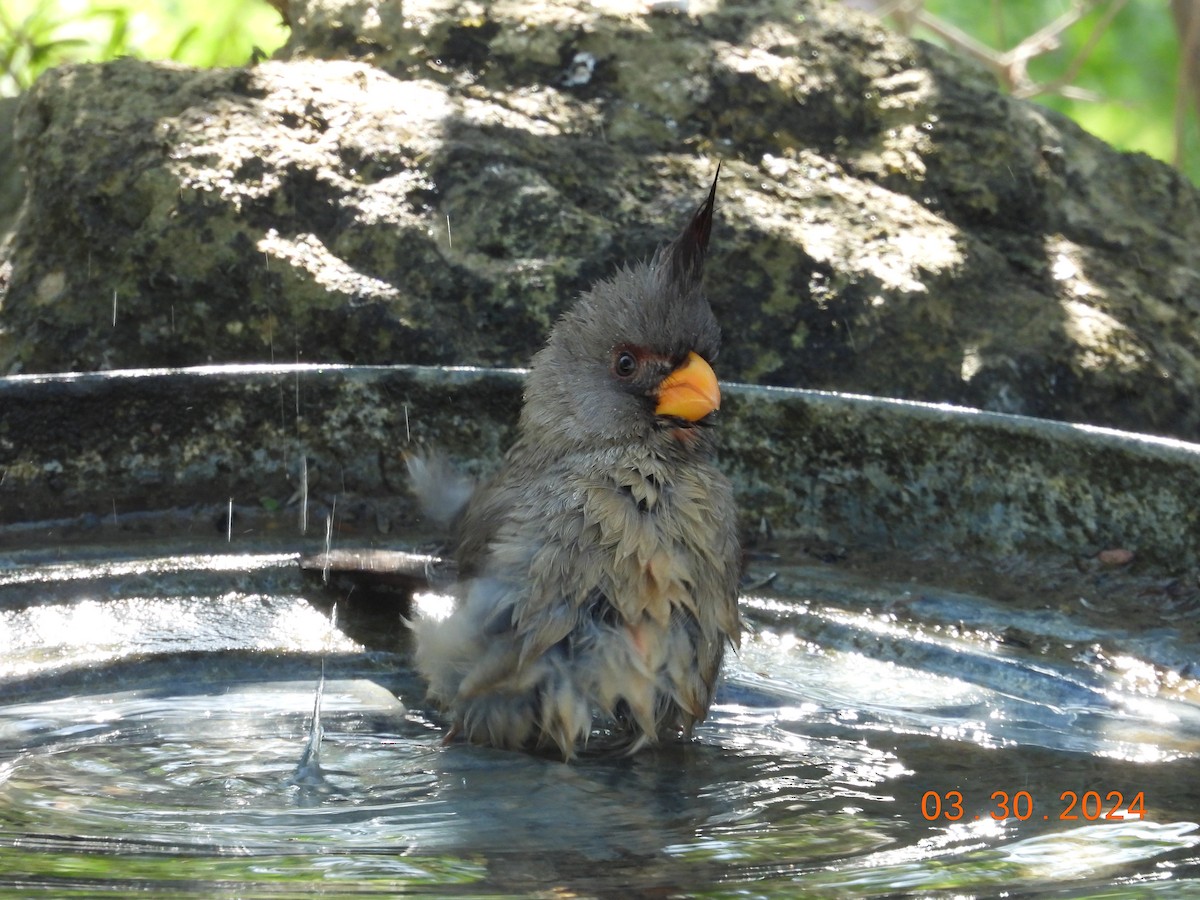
971	664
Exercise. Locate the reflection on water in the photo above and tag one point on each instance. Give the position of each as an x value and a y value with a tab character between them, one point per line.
153	711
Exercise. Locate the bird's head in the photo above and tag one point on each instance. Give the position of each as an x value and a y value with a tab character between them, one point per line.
631	360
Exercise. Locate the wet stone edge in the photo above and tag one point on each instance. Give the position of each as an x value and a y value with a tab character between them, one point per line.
265	439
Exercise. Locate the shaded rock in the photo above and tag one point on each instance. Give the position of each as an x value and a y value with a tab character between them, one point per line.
12	188
448	175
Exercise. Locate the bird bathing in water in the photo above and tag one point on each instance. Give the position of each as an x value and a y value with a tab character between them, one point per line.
598	569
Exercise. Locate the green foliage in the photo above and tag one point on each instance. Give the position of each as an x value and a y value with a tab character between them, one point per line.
38	34
1122	88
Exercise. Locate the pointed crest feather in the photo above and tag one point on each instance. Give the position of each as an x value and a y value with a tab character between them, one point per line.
685	255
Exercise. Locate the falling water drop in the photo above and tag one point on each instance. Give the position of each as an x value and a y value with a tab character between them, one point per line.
328	541
304	494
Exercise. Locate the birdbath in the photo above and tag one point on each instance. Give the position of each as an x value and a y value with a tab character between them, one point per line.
967	631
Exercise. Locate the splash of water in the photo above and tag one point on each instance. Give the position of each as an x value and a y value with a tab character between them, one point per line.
308	773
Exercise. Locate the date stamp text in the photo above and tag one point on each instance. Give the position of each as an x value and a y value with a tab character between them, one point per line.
1088	806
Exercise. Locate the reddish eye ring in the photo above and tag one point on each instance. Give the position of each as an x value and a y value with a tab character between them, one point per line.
624	364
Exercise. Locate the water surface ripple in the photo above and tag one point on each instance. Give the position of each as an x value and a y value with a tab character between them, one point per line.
869	738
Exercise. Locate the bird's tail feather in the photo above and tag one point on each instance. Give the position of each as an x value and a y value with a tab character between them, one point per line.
440	489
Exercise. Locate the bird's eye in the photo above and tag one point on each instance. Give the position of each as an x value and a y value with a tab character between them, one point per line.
625	364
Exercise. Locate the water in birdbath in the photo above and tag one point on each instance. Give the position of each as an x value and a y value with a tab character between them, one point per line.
875	734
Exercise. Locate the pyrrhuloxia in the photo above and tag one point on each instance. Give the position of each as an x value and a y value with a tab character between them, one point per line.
599	568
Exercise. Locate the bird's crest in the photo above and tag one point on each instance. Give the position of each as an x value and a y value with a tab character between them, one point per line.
685	255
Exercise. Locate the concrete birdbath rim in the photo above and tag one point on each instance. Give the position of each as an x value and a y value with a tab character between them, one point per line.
839	466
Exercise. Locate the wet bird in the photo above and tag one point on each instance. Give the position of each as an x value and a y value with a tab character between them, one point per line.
598	569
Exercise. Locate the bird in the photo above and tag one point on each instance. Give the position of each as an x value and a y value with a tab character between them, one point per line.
597	571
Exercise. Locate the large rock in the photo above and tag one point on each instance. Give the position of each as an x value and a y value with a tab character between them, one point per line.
439	184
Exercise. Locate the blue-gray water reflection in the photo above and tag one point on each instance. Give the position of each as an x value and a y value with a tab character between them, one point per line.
153	711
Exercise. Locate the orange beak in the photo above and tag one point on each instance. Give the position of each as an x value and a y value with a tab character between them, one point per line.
690	392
